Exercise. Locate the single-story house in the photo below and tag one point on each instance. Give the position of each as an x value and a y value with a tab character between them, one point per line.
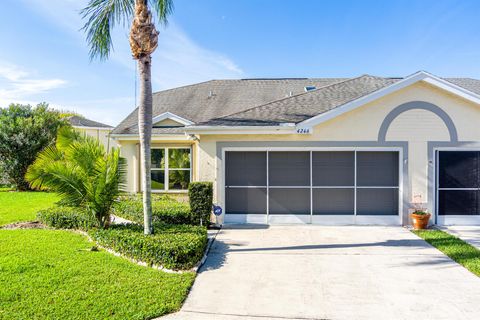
360	150
93	129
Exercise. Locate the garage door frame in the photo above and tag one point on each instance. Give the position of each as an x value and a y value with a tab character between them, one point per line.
450	219
316	219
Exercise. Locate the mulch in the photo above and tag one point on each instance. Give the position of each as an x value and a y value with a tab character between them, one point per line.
25	225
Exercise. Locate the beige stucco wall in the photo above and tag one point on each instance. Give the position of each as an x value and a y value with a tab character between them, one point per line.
416	127
101	134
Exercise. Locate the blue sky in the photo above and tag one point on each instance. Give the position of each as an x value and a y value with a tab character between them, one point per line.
44	56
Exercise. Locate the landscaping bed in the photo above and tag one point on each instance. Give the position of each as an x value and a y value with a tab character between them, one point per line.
53	274
177	247
455	248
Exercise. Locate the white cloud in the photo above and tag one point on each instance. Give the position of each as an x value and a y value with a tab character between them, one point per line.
178	60
18	84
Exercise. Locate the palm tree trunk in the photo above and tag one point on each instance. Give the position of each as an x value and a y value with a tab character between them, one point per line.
145	132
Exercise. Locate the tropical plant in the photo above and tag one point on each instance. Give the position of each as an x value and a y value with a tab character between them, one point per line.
24	131
81	171
101	16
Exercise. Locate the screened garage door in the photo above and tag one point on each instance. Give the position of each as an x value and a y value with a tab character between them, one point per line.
458	187
312	186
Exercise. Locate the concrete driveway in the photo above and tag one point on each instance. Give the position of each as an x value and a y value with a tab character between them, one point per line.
315	272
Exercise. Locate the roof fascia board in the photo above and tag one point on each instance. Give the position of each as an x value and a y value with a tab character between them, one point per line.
416	77
172	116
182	137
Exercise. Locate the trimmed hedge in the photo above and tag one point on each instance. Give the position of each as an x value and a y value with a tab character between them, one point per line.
67	218
164	209
172	246
201	200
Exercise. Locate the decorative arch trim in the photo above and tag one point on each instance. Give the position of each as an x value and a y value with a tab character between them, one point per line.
422	105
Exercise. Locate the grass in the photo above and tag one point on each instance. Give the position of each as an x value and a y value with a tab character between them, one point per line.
52	274
455	248
22	206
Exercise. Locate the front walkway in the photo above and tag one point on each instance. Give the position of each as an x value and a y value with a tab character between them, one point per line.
470	234
314	272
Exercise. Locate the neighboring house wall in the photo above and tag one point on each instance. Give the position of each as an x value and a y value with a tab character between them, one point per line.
103	135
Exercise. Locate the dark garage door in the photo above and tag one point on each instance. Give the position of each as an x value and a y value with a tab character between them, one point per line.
312	182
458	183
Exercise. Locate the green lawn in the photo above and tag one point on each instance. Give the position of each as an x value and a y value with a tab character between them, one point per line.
458	250
22	206
52	274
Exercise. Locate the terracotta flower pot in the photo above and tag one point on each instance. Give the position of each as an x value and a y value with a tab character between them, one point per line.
420	221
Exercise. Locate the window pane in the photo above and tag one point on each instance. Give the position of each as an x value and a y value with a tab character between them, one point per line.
458	169
158	159
179	158
333	168
158	179
333	201
289	168
377	202
458	202
289	201
377	169
245	168
246	200
178	179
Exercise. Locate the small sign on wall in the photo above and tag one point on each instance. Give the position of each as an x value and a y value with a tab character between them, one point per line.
217	210
303	130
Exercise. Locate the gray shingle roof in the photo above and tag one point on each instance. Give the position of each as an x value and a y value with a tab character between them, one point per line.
217	98
257	102
83	122
306	105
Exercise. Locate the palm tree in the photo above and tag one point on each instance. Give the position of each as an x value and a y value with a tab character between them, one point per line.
81	171
101	16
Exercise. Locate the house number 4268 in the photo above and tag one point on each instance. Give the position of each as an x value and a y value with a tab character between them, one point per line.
303	130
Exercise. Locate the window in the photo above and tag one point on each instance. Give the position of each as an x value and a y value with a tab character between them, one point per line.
171	168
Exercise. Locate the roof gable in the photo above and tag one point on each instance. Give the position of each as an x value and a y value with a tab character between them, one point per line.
170	116
416	77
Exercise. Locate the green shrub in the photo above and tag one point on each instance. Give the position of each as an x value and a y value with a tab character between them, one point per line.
201	200
67	218
164	209
172	246
25	131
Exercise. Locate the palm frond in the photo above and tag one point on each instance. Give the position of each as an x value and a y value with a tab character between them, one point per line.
101	17
66	136
162	8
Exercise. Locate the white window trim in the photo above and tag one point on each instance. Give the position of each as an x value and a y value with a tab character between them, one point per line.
167	170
